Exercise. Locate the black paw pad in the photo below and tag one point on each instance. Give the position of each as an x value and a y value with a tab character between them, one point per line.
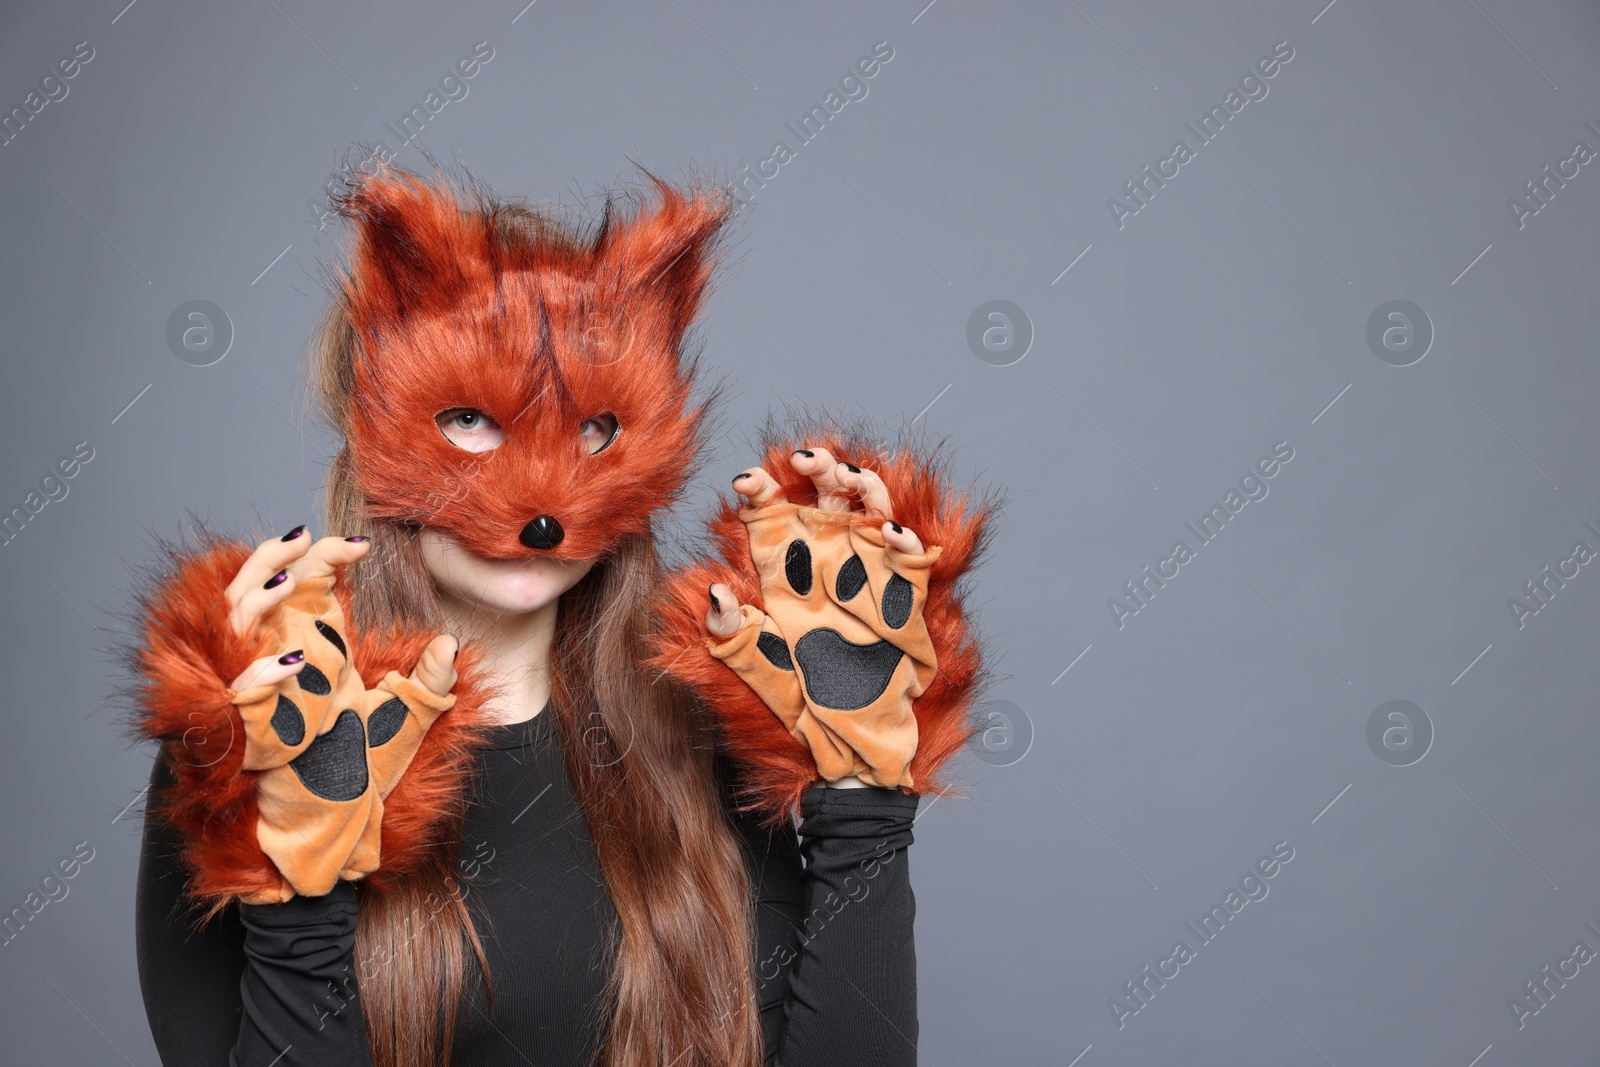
335	766
841	674
287	722
852	576
333	637
898	596
772	647
314	681
386	721
797	566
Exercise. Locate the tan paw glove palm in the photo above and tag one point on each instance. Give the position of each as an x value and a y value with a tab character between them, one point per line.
330	750
839	649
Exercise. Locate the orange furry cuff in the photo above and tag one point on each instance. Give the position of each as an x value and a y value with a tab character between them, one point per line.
757	702
184	655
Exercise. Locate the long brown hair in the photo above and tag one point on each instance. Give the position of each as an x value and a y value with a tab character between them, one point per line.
681	987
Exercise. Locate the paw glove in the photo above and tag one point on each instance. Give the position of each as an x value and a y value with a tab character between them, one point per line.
841	651
853	657
344	768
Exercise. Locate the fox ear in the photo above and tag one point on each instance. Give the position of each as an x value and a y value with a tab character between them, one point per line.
659	262
417	245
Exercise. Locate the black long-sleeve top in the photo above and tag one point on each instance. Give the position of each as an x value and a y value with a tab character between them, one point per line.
278	984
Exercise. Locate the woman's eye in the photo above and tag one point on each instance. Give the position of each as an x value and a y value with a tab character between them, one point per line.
470	429
599	432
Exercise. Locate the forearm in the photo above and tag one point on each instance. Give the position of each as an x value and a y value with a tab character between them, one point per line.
852	985
301	1002
255	981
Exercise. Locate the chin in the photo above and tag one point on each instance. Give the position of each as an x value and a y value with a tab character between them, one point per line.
514	586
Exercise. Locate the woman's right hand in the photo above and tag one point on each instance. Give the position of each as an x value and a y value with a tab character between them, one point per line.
330	750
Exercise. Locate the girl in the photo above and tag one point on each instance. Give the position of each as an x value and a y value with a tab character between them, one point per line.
559	831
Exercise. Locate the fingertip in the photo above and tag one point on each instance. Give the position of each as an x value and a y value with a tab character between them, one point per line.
724	613
342	549
818	462
268	670
436	666
901	538
443	647
301	543
757	486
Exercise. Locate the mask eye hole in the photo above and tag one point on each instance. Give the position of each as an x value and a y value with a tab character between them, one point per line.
470	429
599	432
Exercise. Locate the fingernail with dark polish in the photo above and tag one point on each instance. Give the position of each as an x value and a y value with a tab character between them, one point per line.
853	468
715	603
289	659
457	652
738	477
276	580
292	534
806	452
358	538
896	526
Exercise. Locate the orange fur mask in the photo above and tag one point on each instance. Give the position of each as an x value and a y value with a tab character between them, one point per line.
462	302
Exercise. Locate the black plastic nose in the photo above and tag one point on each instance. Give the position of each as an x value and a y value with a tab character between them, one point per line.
543	532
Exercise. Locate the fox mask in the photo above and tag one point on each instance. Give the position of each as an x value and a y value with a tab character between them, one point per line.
569	344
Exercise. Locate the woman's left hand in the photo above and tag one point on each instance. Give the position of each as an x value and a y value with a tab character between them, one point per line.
860	720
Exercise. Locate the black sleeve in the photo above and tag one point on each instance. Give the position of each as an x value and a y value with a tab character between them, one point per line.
836	966
301	1005
260	984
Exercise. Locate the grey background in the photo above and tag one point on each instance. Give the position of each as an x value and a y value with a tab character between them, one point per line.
1226	316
